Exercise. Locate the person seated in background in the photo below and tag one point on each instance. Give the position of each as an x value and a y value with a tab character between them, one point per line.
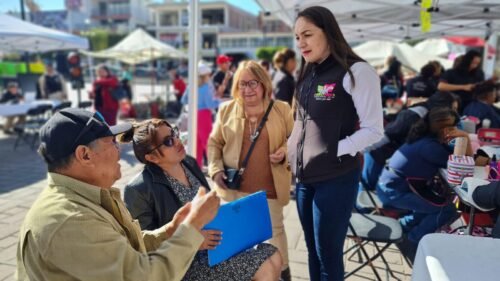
12	95
395	135
485	95
420	158
169	181
52	84
422	85
392	81
488	197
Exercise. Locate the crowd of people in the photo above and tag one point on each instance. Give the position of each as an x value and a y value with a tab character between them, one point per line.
321	125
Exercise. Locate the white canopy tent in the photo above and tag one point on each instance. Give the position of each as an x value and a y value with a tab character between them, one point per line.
362	20
138	47
18	35
439	47
376	52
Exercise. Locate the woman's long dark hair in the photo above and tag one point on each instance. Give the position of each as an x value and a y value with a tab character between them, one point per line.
339	48
430	125
441	99
143	136
464	64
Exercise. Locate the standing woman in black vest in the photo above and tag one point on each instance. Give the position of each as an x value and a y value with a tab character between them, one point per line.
338	114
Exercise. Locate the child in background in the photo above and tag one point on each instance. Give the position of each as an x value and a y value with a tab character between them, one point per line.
485	95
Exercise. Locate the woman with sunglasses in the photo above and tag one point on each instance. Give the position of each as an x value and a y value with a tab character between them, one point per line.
424	153
235	128
171	179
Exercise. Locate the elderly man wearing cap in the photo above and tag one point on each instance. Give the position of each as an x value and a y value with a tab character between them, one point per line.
207	101
80	229
223	78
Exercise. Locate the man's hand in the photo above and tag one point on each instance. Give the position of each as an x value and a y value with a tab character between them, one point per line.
212	239
179	217
219	179
204	207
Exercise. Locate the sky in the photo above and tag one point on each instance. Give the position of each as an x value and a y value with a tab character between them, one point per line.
13	5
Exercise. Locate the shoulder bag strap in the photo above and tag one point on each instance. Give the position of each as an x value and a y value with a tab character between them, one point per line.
254	140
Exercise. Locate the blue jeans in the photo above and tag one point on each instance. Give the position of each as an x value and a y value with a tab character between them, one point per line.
324	211
371	172
369	177
425	218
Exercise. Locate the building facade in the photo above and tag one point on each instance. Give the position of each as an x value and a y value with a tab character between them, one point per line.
116	15
224	28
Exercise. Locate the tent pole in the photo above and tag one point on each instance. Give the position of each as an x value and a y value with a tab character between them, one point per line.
152	73
193	77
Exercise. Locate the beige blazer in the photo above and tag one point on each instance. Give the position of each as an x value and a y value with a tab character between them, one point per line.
226	140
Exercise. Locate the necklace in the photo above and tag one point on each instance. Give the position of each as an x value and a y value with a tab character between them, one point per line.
252	123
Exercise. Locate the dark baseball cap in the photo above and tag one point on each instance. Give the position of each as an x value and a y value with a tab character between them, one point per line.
71	127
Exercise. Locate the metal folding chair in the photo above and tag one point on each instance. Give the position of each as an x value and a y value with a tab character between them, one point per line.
367	228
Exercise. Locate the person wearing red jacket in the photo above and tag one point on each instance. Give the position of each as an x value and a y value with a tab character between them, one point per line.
101	92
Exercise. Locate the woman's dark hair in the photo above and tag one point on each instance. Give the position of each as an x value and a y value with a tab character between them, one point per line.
464	64
143	136
394	69
265	64
432	123
428	70
339	48
282	57
105	67
442	99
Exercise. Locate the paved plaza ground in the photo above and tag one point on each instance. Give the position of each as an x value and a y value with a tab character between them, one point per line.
23	176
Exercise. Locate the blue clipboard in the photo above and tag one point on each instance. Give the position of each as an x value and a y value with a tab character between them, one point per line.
244	223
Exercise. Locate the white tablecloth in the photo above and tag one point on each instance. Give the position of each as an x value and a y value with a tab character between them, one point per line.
448	257
7	110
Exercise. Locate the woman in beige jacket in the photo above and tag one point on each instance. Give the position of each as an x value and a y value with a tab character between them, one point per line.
267	168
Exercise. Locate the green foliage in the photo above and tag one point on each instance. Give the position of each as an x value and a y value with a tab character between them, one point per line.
267	53
101	39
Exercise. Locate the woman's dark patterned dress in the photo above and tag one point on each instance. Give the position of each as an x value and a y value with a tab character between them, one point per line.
238	268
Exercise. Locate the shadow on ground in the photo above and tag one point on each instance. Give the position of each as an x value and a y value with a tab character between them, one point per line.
22	167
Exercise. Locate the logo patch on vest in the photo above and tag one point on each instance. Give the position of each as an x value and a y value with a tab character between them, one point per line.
325	92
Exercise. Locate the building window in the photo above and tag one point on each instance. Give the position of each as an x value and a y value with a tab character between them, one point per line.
184	18
284	41
208	40
255	42
212	17
169	19
172	39
224	43
118	9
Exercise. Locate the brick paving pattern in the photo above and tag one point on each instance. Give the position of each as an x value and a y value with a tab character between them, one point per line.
23	176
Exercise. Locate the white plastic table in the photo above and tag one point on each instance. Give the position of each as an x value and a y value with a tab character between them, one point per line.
448	257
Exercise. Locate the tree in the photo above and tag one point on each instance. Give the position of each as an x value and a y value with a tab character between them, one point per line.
101	39
267	53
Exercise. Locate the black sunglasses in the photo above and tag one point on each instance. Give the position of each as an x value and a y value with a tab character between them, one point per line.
169	141
97	118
